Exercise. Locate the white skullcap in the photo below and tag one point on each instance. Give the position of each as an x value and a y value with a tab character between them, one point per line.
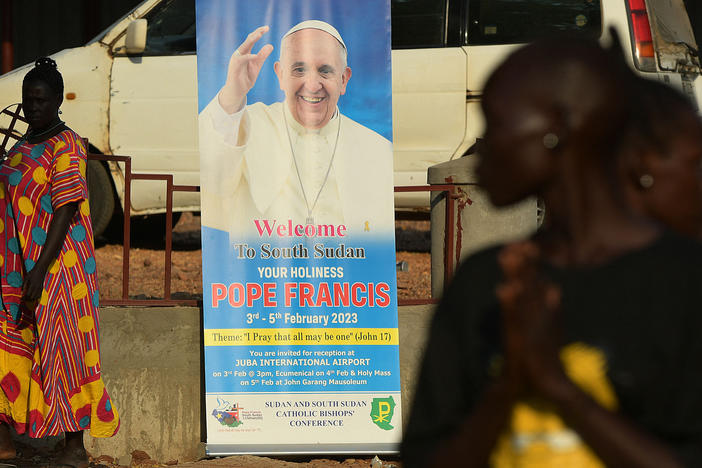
316	24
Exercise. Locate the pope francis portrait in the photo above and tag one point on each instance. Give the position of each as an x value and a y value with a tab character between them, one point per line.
300	159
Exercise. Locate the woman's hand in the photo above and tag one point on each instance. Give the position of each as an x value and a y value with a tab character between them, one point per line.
542	362
530	322
509	292
532	334
33	283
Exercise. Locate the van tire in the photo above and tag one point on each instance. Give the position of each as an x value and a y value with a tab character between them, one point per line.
148	231
100	196
152	226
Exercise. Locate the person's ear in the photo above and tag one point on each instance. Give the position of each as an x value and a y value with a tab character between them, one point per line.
279	73
345	77
642	164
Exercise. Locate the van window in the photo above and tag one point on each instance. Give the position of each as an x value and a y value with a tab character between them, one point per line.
418	23
171	28
517	21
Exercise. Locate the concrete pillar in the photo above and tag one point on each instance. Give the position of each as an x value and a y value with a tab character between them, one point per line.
414	324
151	364
476	222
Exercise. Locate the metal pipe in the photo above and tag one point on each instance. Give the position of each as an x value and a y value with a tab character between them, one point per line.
168	178
126	233
169	237
422	301
126	229
150	302
449	235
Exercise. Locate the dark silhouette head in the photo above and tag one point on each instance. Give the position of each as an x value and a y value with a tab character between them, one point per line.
42	94
664	151
550	101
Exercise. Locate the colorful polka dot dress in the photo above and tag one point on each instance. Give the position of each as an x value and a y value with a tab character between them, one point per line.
49	358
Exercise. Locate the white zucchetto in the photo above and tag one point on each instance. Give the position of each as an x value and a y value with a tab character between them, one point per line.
316	24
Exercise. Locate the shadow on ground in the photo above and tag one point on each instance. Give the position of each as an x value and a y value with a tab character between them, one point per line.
38	453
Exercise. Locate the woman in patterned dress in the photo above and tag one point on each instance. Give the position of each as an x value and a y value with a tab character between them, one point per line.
49	351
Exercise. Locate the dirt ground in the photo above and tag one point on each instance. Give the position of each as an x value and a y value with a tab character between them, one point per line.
45	458
248	461
146	281
141	460
147	260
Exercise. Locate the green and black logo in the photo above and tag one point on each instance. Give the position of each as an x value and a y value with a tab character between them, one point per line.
382	410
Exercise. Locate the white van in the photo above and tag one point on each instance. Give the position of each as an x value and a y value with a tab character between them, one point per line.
132	90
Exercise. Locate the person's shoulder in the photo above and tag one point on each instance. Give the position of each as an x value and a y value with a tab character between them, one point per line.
479	272
672	262
17	147
70	133
484	260
66	133
362	134
69	137
470	296
676	250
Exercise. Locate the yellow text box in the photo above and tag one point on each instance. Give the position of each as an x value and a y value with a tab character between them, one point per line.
300	336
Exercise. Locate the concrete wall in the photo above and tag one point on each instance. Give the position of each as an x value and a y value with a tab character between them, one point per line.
151	363
414	324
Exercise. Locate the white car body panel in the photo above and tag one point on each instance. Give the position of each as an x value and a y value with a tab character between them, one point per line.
428	102
86	73
165	112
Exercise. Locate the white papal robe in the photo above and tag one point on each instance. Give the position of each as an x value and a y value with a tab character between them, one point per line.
247	172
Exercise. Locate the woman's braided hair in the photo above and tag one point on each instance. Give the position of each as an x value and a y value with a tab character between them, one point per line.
45	71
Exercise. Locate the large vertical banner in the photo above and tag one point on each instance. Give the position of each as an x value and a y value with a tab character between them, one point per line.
300	307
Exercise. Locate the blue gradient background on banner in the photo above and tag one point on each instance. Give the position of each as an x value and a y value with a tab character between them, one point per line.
223	266
228	22
381	377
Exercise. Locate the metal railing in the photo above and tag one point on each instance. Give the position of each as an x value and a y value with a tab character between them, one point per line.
451	194
129	176
10	131
449	246
125	300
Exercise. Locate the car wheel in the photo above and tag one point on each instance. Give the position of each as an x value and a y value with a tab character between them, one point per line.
153	226
100	196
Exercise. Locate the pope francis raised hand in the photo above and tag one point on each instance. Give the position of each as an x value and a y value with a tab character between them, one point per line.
300	159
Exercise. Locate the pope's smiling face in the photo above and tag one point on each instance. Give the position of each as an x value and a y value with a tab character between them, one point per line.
313	74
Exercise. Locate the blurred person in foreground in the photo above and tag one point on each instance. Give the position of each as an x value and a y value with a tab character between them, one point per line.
49	344
579	348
